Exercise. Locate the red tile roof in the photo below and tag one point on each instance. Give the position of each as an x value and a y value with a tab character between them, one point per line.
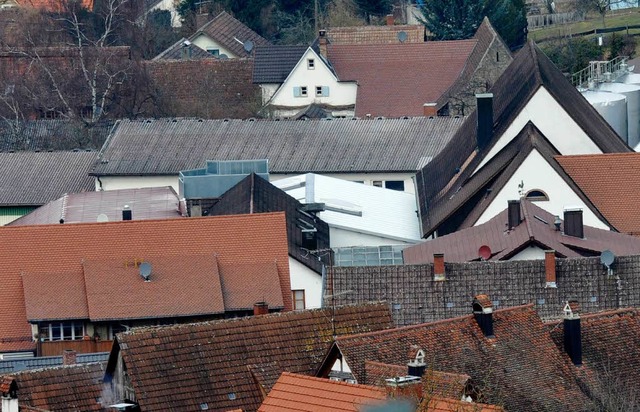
536	228
64	388
521	368
212	360
293	392
396	80
52	5
611	182
56	249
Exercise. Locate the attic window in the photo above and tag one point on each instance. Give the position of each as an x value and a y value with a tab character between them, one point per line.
300	91
214	52
536	195
311	64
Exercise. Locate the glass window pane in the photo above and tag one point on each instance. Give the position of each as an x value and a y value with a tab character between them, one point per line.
56	331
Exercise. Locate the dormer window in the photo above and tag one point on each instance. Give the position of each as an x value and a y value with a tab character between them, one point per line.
536	195
311	64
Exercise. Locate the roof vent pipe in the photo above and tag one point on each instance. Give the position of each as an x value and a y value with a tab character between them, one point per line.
484	112
572	333
514	213
483	312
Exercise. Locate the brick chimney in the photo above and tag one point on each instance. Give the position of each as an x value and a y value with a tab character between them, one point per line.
69	357
429	109
438	267
484	111
322	43
483	312
260	308
513	207
390	19
550	268
573	222
572	333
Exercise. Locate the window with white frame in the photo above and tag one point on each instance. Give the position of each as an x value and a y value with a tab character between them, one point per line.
298	299
61	331
311	64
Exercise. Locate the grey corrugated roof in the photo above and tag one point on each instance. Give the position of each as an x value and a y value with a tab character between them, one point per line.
274	63
35	178
16	365
161	147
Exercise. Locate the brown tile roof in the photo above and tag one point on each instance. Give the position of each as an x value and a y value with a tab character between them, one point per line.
63	388
535	229
530	70
248	283
607	350
294	392
35	178
210	359
145	203
256	195
390	145
520	368
28	250
231	34
375	34
609	181
437	404
386	85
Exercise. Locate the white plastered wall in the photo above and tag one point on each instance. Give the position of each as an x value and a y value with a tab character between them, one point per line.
304	278
205	42
554	123
529	253
536	173
136	182
341	237
366	178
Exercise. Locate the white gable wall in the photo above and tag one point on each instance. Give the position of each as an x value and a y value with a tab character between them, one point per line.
339	93
554	123
310	281
205	42
529	253
536	173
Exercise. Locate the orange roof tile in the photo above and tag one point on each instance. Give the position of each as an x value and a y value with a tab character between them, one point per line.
611	182
241	294
56	249
52	5
293	392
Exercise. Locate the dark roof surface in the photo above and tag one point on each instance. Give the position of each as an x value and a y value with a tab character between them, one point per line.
145	203
255	195
177	52
610	182
529	71
520	368
398	79
211	359
536	229
35	178
63	388
274	63
54	134
17	365
157	147
231	34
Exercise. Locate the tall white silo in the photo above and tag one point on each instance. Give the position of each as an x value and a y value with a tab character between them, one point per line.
632	93
612	107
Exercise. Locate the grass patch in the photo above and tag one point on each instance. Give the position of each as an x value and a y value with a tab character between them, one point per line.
593	22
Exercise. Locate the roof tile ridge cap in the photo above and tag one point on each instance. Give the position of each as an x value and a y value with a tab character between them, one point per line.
525	212
609	313
534	54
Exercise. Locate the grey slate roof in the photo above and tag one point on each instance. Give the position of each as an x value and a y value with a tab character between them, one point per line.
232	34
164	147
175	52
274	63
35	178
16	365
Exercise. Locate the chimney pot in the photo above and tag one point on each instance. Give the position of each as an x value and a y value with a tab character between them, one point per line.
483	313
514	213
69	357
438	267
484	112
573	222
429	109
572	333
550	268
260	308
390	20
126	213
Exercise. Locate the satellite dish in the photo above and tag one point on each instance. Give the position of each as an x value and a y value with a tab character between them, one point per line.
402	36
145	270
607	257
248	46
484	252
102	218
